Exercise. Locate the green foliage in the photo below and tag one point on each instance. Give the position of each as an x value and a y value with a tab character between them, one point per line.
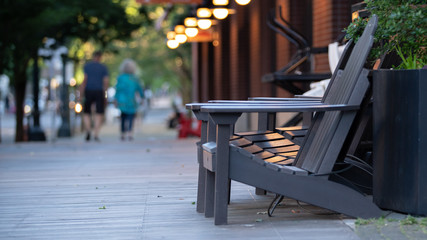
159	65
27	23
401	23
409	61
409	220
361	221
355	29
409	226
101	21
24	25
381	221
156	62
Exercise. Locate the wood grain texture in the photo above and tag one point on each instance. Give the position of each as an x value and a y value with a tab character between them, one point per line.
148	187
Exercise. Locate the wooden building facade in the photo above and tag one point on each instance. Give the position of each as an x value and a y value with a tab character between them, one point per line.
246	49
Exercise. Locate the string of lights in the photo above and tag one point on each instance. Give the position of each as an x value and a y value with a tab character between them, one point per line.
201	24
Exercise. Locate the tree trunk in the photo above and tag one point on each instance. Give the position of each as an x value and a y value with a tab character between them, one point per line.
186	89
184	75
20	75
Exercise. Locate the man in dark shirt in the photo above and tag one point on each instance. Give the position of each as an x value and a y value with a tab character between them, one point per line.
93	89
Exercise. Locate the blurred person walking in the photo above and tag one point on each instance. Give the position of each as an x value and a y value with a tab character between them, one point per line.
127	91
93	89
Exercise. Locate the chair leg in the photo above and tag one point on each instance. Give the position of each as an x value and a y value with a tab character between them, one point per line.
229	191
201	190
221	175
209	193
221	199
266	121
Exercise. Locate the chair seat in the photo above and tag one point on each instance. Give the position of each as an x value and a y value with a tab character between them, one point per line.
269	149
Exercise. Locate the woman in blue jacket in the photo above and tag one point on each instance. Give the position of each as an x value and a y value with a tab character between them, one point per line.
127	88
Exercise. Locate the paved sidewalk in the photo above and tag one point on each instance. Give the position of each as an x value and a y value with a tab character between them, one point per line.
144	189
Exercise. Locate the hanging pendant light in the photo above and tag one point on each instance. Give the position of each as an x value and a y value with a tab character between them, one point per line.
243	2
204	23
172	43
220	13
191	31
190	22
181	38
204	13
221	9
220	2
179	29
171	35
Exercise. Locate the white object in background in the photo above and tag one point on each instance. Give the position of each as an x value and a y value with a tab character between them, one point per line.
334	55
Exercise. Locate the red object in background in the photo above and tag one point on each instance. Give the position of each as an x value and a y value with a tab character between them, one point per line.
185	128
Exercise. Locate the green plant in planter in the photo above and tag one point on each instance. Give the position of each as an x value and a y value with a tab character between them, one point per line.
410	61
402	27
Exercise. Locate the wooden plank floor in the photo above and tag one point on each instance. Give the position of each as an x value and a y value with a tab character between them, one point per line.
144	189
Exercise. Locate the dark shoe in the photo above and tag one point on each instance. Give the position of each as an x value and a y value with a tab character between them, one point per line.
130	138
122	138
88	136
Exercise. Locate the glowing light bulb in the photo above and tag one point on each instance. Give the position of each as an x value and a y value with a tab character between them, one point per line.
220	13
220	2
204	24
204	13
73	82
78	108
171	35
27	109
190	22
172	43
181	38
179	29
191	32
243	2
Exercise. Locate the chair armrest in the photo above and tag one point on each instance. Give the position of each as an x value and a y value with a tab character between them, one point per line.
307	97
198	106
192	106
296	98
294	101
231	108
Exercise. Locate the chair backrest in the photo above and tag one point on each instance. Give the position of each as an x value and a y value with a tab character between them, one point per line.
342	62
329	130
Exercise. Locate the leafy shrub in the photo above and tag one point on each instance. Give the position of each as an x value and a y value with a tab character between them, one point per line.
402	27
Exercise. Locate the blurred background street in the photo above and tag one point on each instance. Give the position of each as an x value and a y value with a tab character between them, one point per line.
156	116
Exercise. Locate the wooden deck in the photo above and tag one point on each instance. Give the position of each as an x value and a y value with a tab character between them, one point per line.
144	189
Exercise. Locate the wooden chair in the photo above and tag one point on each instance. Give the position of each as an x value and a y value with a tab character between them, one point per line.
308	178
266	124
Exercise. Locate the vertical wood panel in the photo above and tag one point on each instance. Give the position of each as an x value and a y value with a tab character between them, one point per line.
248	49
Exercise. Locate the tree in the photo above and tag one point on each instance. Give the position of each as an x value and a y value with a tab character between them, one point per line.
158	63
25	24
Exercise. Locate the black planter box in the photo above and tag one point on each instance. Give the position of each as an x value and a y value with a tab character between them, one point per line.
400	140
